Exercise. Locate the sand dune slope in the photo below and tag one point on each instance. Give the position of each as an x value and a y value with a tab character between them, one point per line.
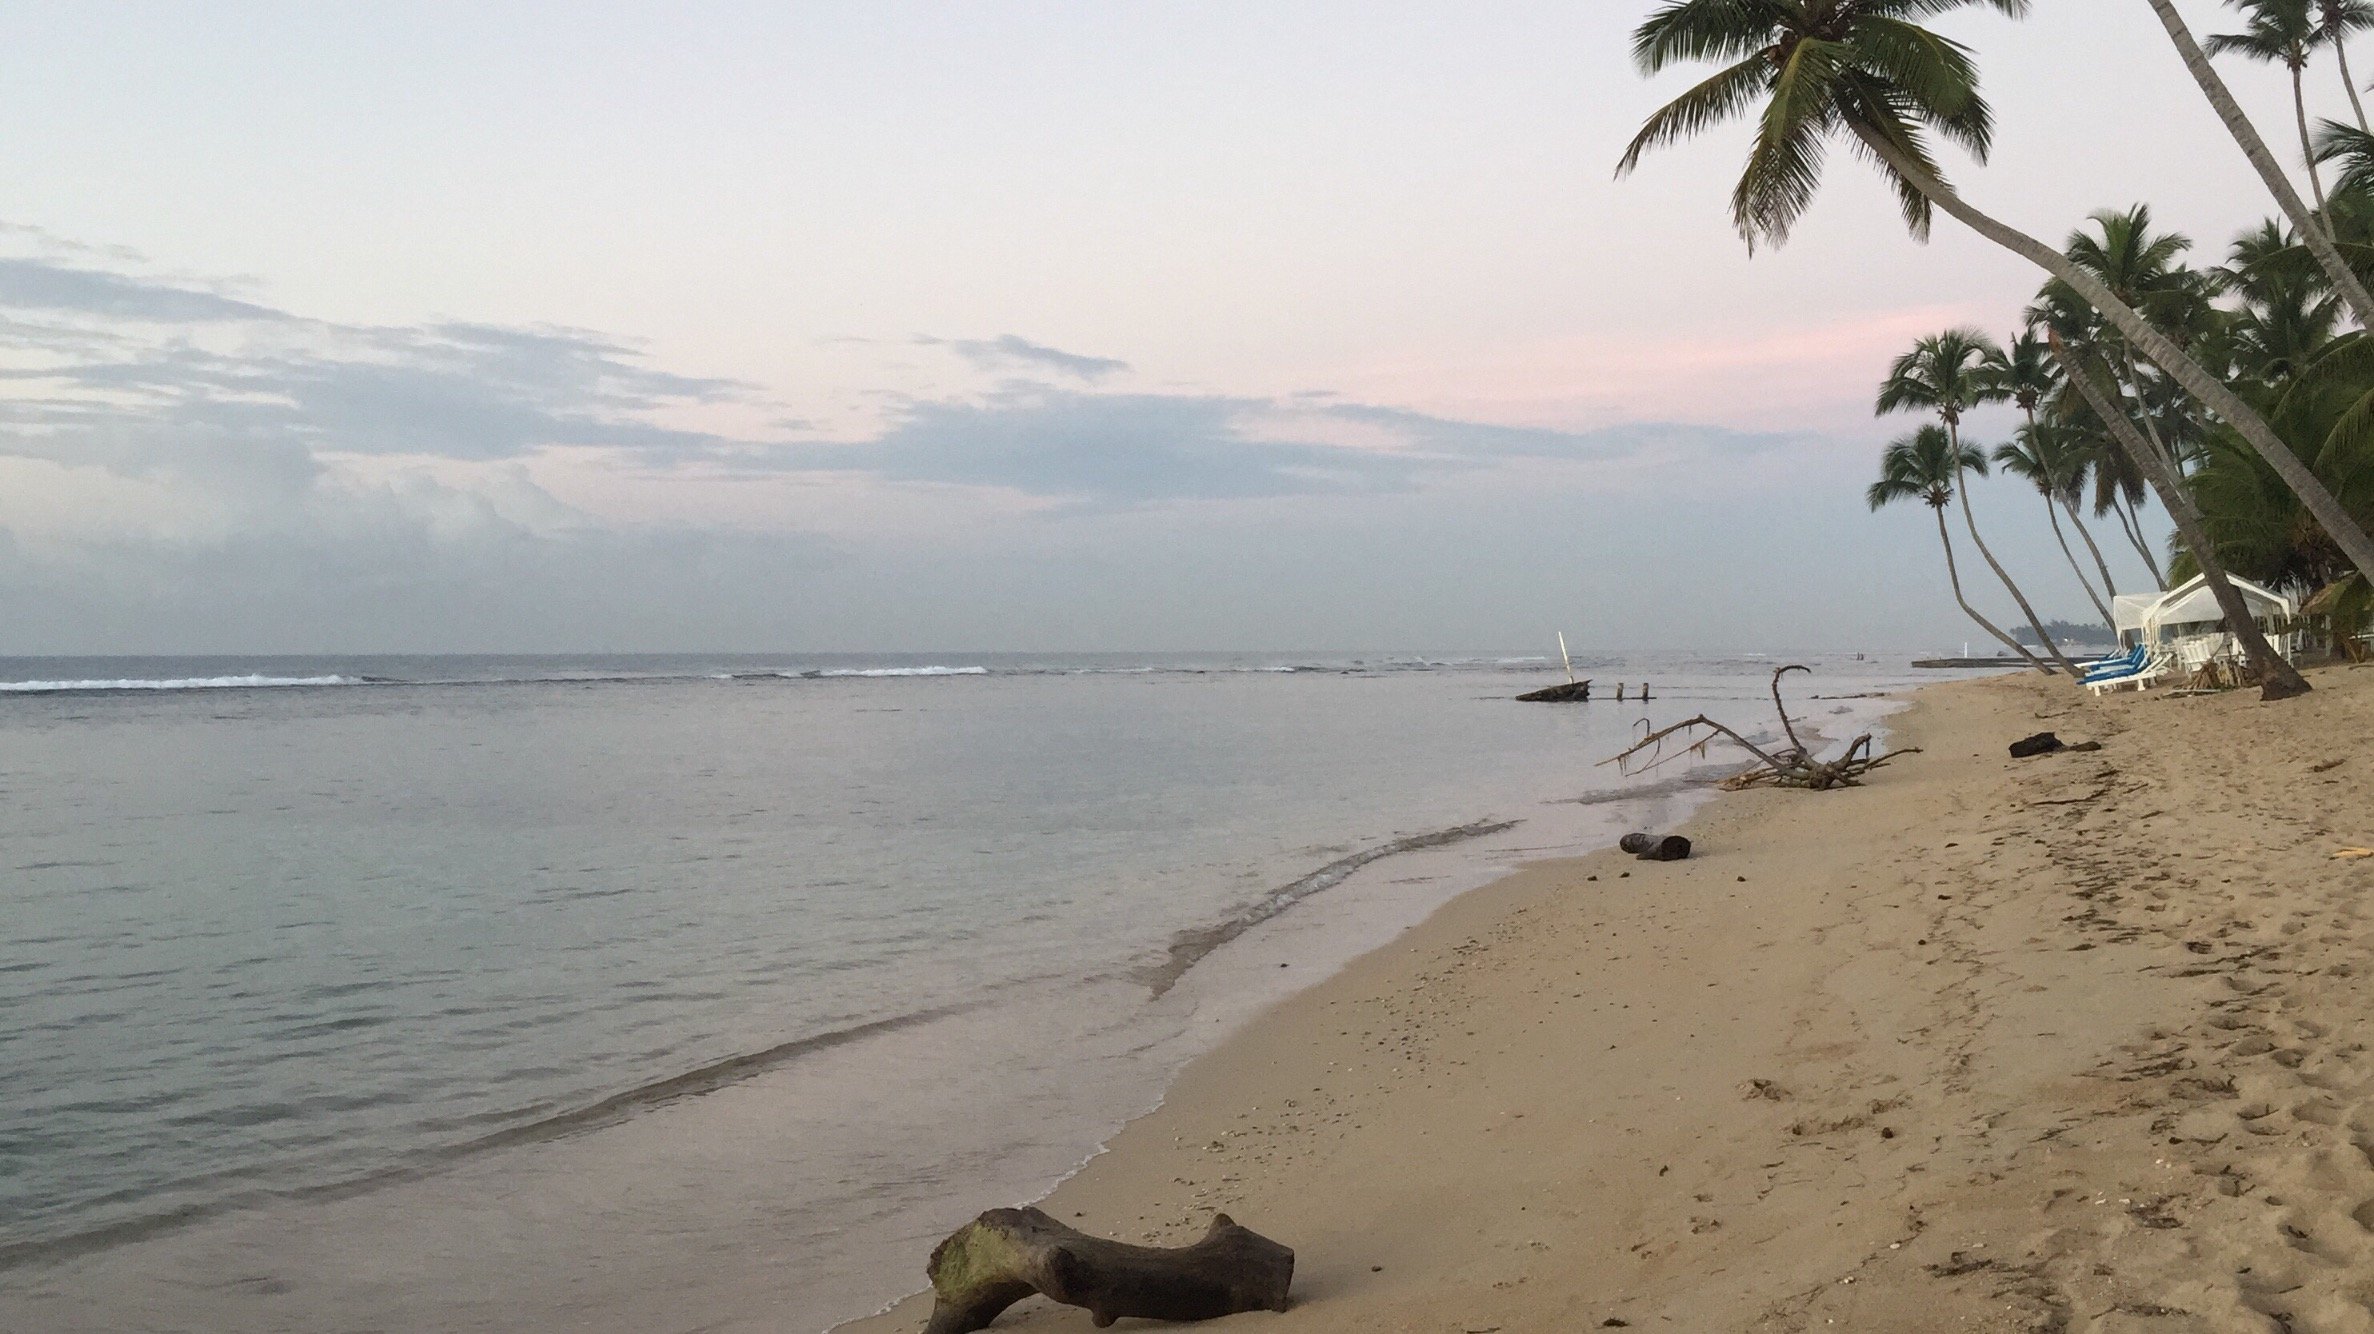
2071	1043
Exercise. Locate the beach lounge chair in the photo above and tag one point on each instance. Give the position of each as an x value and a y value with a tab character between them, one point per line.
2117	664
2143	674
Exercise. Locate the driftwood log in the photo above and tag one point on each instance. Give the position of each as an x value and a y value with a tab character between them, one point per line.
1792	765
1006	1255
1655	847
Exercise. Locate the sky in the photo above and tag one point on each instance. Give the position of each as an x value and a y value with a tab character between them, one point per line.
1022	326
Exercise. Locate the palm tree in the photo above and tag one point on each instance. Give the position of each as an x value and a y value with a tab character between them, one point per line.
2035	456
2328	407
2119	490
2280	32
2143	269
1946	373
2311	228
2278	679
2285	311
2023	373
2335	21
1861	68
1927	466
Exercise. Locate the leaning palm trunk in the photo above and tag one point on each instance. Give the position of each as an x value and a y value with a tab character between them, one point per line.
2052	512
2035	623
2349	84
2053	493
2278	679
2309	225
2143	412
1953	574
2131	523
2163	351
2109	585
2316	182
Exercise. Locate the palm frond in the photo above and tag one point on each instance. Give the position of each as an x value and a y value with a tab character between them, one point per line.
1704	30
1713	101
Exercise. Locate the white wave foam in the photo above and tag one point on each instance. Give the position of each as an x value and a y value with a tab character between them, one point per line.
181	683
906	671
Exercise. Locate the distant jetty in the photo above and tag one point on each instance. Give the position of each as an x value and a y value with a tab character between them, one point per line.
1579	692
1565	692
1999	660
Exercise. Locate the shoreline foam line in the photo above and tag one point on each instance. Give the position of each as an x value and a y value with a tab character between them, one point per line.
178	683
1189	947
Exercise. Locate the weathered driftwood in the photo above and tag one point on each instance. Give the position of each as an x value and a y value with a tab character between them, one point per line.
1565	692
1006	1255
1790	766
1655	847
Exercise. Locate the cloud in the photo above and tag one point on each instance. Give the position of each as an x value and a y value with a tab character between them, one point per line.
1009	350
1118	450
115	368
35	284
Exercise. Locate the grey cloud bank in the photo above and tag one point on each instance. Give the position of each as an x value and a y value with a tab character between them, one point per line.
1116	449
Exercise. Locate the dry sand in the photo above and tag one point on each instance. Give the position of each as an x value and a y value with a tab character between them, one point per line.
2069	1043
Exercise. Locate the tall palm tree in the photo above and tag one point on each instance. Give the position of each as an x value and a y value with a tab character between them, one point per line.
2278	679
1928	467
1946	374
1862	68
2280	32
2142	268
2335	21
2312	229
2034	455
2023	372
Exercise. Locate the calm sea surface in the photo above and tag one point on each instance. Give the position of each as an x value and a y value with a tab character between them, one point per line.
644	993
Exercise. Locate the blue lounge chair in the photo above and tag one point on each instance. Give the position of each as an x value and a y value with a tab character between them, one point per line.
2141	674
2121	664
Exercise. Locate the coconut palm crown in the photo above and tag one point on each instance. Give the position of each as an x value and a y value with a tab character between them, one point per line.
1923	466
1946	373
1816	68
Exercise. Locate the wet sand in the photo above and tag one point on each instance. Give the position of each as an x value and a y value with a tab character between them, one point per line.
2068	1043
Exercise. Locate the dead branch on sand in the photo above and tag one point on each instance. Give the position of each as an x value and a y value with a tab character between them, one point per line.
1792	766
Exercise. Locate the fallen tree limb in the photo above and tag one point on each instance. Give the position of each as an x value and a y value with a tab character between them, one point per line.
1006	1255
1792	766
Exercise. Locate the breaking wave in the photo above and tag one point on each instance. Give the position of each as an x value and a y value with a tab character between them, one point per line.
179	683
897	671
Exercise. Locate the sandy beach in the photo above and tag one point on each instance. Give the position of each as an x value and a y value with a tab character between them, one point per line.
2066	1043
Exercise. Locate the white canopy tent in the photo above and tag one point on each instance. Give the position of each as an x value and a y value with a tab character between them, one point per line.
2190	609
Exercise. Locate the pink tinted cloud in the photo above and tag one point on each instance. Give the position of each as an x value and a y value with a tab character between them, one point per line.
1813	377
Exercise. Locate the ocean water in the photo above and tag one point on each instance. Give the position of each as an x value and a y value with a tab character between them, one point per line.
700	992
